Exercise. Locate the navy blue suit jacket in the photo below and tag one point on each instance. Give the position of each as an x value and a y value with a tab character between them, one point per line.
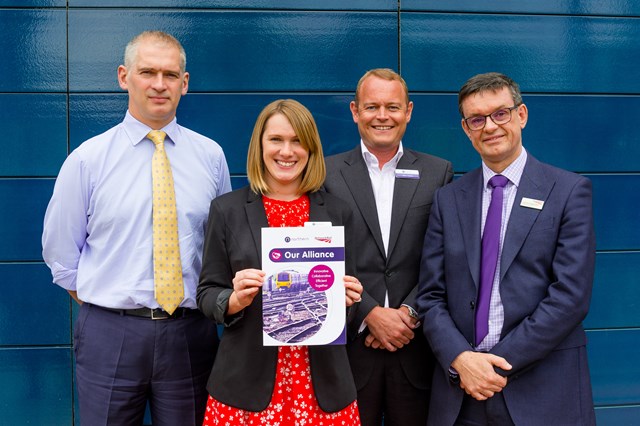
546	276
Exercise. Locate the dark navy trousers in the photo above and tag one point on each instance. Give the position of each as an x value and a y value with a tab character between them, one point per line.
123	362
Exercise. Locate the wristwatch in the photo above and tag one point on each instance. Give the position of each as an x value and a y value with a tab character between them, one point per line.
454	377
412	312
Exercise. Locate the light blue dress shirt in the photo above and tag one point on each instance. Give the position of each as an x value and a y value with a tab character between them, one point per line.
97	237
514	173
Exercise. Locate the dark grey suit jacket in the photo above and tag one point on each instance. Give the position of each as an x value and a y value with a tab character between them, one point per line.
244	371
546	276
397	272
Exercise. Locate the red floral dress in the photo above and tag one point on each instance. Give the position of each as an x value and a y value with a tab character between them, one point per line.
293	402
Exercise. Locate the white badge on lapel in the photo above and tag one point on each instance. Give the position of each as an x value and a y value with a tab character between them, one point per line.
407	174
532	203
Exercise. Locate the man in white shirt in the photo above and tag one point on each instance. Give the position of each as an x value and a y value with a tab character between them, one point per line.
390	189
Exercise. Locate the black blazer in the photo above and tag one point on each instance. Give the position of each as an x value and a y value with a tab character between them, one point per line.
397	271
244	371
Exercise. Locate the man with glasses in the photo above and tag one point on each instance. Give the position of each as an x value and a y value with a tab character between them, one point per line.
506	276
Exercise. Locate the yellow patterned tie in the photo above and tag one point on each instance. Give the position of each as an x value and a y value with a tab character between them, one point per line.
167	268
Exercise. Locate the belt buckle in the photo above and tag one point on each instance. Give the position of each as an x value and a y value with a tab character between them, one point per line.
159	314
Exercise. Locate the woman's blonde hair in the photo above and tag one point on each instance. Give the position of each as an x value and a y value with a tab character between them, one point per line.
305	128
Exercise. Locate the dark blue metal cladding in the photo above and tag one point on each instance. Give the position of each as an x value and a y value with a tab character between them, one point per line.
239	51
570	7
583	133
618	308
576	61
21	225
613	363
389	5
35	144
34	50
618	415
92	114
564	54
51	324
37	387
616	209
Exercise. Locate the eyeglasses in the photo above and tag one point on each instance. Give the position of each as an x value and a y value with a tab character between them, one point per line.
501	116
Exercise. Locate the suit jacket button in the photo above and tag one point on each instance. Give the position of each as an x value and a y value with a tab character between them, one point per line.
388	273
472	305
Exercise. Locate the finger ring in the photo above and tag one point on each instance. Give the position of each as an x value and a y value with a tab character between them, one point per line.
357	300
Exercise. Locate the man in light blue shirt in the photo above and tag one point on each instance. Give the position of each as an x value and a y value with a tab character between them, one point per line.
98	243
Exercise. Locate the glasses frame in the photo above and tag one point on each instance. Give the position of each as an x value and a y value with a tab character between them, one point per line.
491	117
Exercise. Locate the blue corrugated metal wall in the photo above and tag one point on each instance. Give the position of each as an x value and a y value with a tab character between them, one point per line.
577	63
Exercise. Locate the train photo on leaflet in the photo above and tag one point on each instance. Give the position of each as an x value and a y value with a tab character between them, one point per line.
292	310
283	279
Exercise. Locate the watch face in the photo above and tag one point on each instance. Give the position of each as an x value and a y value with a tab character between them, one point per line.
455	378
412	312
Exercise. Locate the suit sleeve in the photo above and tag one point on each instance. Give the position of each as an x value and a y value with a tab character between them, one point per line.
447	177
566	304
215	284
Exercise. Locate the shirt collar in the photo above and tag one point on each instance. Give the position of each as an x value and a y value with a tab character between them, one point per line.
371	160
138	131
513	172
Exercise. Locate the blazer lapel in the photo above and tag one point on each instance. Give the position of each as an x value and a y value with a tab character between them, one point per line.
533	184
317	209
403	192
469	207
357	179
257	219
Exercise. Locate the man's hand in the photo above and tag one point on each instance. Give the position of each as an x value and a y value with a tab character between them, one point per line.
74	295
389	328
477	375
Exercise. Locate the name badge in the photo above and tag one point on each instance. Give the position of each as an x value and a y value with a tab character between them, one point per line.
407	174
531	203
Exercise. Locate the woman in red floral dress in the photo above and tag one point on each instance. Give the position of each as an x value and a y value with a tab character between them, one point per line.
252	384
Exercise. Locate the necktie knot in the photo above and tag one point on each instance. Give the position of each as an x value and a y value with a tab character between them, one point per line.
157	137
498	181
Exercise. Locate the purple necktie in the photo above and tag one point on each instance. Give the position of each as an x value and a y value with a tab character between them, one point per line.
490	248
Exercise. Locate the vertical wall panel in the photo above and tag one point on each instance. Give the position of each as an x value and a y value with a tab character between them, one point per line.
21	225
36	141
36	386
615	371
616	291
616	209
33	46
43	315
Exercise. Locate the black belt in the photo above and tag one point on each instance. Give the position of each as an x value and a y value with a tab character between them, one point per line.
154	314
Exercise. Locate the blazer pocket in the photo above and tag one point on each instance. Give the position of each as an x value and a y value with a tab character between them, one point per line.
544	224
418	213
